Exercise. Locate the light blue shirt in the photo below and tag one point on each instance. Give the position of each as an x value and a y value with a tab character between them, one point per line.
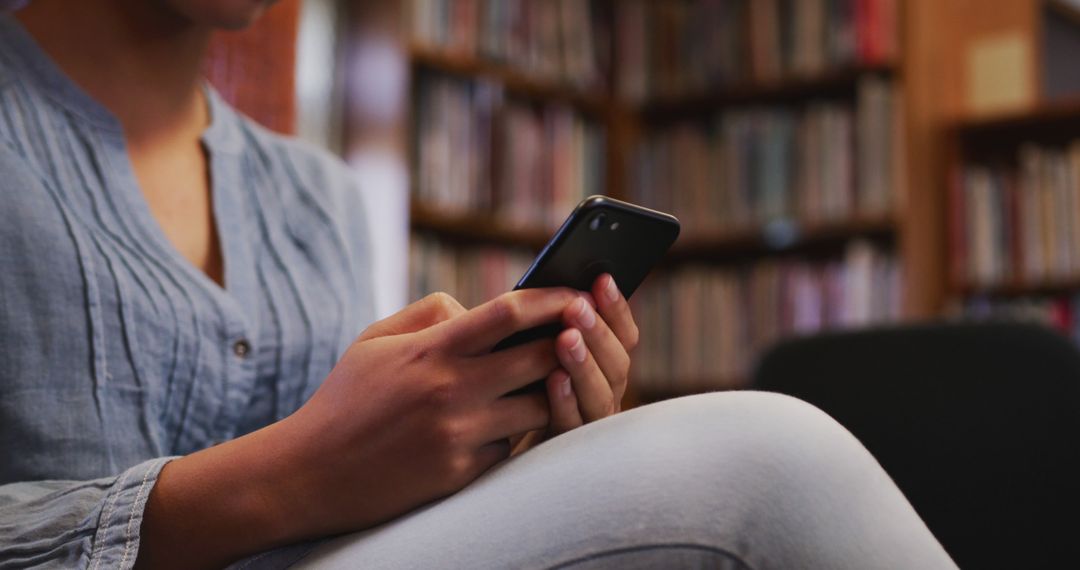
116	353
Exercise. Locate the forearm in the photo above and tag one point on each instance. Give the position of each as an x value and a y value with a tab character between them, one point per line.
231	500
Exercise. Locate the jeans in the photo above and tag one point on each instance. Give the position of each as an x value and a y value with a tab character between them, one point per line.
727	480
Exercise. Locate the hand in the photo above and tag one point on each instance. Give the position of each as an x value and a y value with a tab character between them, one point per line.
415	410
594	354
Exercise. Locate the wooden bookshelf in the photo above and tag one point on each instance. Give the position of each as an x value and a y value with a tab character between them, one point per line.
1046	115
512	80
1045	288
478	228
788	237
830	83
995	140
914	230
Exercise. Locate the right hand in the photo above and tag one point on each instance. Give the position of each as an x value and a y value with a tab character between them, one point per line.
412	412
415	410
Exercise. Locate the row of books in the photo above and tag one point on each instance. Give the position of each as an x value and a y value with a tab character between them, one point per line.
679	47
472	275
476	150
1059	312
556	40
826	162
1018	222
703	327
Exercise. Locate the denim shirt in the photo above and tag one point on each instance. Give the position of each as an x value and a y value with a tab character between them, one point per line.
116	353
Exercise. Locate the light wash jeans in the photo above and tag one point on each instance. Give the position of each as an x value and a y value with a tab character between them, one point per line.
729	480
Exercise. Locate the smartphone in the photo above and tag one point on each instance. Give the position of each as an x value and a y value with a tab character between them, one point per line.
602	235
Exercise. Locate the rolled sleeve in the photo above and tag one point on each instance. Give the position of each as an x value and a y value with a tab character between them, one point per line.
84	524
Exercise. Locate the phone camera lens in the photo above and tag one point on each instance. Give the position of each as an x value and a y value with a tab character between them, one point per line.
598	222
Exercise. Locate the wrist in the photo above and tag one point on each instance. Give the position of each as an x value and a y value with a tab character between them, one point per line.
230	499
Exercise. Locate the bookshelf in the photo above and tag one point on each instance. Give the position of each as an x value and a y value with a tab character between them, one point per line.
475	228
521	84
790	89
784	246
1014	191
788	238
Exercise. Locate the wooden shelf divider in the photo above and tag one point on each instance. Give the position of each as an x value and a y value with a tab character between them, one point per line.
511	79
476	227
803	237
795	88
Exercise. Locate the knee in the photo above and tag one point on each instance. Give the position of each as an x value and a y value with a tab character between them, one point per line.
770	439
754	420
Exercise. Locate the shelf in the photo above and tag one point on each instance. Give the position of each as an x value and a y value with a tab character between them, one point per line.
781	237
476	227
1050	115
702	245
796	88
513	81
1048	288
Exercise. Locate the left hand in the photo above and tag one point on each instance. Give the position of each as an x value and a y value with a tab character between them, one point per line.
594	354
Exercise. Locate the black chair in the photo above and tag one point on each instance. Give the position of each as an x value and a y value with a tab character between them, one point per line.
978	424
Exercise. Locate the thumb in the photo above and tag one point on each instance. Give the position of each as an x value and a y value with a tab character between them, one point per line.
429	311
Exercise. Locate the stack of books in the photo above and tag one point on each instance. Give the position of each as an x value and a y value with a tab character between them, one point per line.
477	150
703	327
472	275
1060	312
683	47
1018	223
563	41
829	161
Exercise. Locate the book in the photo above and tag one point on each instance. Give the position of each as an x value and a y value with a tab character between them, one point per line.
471	274
1060	312
1017	222
562	41
703	327
822	162
680	48
478	150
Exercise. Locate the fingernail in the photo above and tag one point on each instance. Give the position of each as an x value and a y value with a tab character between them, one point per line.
585	315
564	387
577	351
611	290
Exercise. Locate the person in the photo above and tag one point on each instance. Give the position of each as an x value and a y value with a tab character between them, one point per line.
187	379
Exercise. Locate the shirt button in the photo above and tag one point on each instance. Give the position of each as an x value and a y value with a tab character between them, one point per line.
241	348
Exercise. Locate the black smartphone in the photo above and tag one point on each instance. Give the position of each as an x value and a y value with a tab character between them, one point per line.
602	235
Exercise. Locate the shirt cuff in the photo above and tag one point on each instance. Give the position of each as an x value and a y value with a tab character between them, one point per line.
116	542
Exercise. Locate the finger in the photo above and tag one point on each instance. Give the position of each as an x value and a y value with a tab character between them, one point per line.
507	370
514	416
478	330
519	445
429	311
564	405
610	355
615	310
594	395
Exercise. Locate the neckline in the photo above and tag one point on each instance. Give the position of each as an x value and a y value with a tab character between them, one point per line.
220	134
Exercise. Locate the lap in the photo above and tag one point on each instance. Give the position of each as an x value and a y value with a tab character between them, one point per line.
723	480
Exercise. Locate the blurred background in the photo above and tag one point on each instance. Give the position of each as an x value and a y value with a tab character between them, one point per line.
836	164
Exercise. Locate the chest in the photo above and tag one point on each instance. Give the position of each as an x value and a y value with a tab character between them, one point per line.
141	352
174	179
